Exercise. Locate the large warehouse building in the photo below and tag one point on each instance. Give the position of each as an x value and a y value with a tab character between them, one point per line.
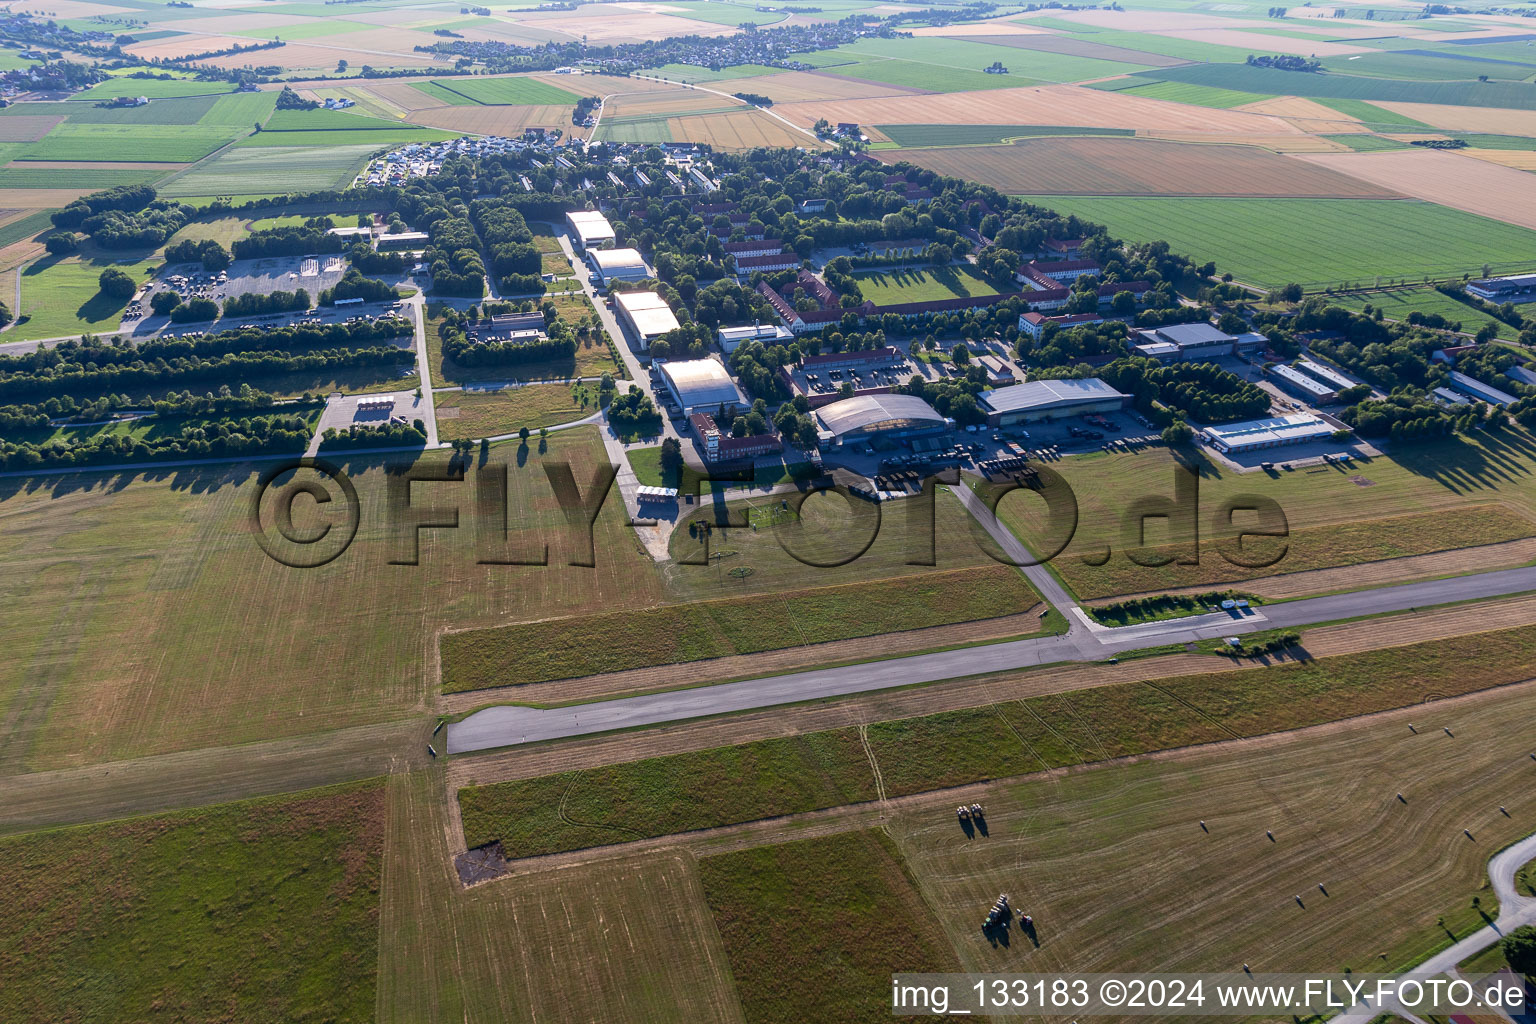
589	229
1185	343
701	385
1503	289
886	415
617	265
645	313
1048	399
1297	428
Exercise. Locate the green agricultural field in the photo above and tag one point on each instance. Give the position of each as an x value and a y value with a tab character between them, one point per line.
1163	46
1184	92
440	92
328	121
154	88
814	928
517	91
25	227
637	129
62	297
1397	303
568	648
959	56
1479	141
320	28
240	109
932	77
1426	66
1370	113
774	777
731	14
252	171
928	135
1274	82
382	138
22	176
270	905
889	287
182	110
1367	143
477	414
695	73
1315	242
133	143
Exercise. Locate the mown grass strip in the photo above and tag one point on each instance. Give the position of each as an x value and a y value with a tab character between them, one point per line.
568	648
730	785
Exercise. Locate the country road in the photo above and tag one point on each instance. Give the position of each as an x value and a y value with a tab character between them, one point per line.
1515	910
503	725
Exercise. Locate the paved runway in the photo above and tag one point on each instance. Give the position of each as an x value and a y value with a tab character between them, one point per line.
509	726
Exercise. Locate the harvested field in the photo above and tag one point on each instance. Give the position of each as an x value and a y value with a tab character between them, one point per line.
491	120
991	30
401	95
1260	42
1077	46
1476	186
42	198
174	49
450	954
806	86
28	127
1130	166
664	102
813	928
1467	119
303	56
747	129
1046	104
1520	160
1288	143
1300	107
610	23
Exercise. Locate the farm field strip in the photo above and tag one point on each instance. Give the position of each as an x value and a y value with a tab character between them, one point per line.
1448	178
1315	242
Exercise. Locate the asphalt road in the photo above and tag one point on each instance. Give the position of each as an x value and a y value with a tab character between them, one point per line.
508	726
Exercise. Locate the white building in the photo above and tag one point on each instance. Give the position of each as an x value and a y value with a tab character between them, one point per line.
1193	342
1296	428
617	265
589	229
1478	390
731	338
646	314
701	385
1048	399
1503	289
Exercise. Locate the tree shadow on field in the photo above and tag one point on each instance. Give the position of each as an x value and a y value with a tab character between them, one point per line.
1504	457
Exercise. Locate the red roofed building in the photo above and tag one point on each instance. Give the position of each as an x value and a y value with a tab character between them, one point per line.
1048	275
719	446
763	247
775	261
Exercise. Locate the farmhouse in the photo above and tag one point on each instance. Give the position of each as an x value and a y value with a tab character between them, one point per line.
867	417
589	228
1504	289
1272	432
731	338
617	265
1049	399
700	385
645	313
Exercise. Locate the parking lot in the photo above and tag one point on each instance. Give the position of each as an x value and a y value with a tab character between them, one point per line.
314	274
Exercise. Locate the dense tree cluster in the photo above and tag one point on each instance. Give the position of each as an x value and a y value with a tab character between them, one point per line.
633	413
353	285
254	303
123	197
213	256
313	236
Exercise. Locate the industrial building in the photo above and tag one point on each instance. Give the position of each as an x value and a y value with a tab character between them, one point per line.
865	417
1310	388
1272	432
617	265
1326	374
1193	342
1049	399
1503	289
719	446
1477	390
589	229
701	385
731	338
646	314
